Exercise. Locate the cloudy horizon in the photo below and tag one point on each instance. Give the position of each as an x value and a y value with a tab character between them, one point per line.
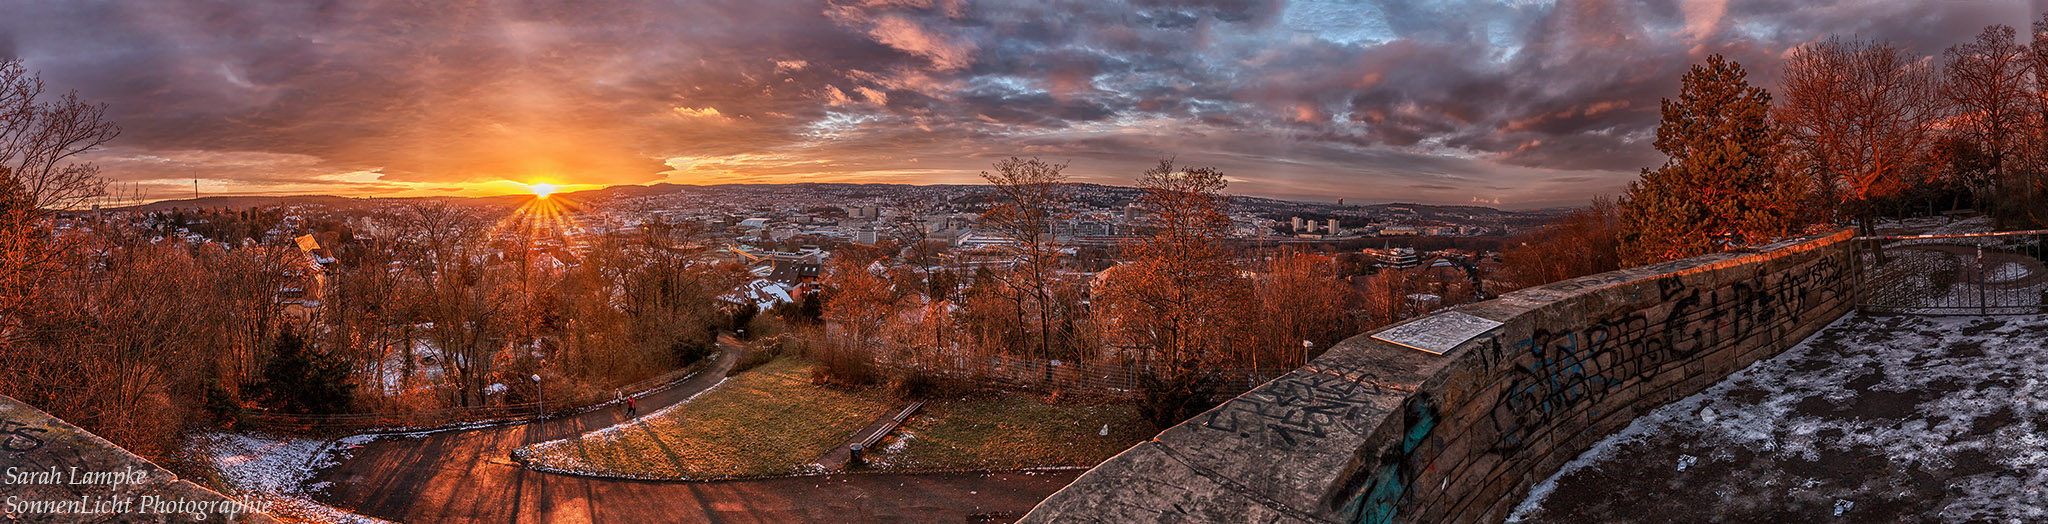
1514	104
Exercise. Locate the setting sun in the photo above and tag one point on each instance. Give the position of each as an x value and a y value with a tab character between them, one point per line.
543	189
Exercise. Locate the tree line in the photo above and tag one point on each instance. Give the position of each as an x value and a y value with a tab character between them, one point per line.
1179	301
1857	131
119	324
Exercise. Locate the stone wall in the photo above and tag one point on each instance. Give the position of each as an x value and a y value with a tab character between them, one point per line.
51	471
1374	432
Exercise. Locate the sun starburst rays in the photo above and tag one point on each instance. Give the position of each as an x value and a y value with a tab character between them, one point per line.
544	224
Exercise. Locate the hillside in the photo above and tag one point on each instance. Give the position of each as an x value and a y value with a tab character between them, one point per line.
967	195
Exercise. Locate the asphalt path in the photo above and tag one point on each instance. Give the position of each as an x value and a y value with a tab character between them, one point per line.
468	476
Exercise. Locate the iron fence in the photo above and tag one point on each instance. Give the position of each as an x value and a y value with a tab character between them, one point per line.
426	420
1966	274
1094	378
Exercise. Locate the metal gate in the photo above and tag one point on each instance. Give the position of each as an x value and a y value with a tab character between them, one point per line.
1970	274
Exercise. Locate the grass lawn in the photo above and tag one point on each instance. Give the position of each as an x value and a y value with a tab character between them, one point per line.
1009	431
768	421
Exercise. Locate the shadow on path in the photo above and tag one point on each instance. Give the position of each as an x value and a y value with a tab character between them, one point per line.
466	476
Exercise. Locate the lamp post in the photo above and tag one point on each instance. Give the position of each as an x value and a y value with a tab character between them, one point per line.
538	402
1305	347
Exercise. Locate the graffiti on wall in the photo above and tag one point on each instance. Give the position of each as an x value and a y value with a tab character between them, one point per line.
1302	407
1550	376
1381	488
1558	373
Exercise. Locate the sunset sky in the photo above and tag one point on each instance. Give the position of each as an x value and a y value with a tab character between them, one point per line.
1516	104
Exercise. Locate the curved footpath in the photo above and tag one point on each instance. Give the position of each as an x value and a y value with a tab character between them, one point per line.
467	476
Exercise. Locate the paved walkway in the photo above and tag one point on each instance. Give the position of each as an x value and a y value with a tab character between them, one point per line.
1874	419
467	476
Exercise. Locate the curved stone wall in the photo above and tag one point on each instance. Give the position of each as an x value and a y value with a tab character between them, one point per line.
1377	432
52	471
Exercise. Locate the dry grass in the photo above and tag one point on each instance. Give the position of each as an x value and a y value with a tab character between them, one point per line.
1008	432
768	421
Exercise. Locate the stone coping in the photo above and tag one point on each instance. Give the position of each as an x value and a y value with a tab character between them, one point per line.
52	471
1373	431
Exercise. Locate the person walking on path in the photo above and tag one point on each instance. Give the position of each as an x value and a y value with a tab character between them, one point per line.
631	410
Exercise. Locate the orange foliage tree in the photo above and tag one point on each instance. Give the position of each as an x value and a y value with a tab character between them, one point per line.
1861	115
1577	244
1030	203
858	309
1180	299
1300	299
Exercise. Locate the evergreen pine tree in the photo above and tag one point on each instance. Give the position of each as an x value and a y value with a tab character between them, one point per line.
303	379
1725	183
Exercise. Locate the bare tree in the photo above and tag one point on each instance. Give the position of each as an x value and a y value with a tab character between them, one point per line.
1180	298
857	314
39	140
2037	136
1576	244
437	229
1861	114
1300	299
23	253
1032	204
1987	82
914	226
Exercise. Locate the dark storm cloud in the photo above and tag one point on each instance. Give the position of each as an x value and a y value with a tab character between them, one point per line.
1528	103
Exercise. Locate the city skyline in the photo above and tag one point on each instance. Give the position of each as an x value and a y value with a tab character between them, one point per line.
1512	105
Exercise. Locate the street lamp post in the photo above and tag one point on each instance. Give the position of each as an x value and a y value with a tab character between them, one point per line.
1305	347
537	400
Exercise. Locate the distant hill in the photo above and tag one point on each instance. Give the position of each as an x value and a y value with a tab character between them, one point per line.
1094	194
239	202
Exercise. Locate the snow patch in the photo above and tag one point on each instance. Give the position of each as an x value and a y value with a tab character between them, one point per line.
1979	393
273	470
903	438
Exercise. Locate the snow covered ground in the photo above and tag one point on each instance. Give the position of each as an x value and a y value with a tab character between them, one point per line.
274	469
426	367
1874	419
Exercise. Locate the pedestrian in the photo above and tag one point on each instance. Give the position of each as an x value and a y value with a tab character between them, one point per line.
632	410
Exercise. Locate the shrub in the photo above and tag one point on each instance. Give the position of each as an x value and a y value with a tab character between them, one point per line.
743	319
756	355
914	384
690	350
1171	397
221	404
303	379
839	365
